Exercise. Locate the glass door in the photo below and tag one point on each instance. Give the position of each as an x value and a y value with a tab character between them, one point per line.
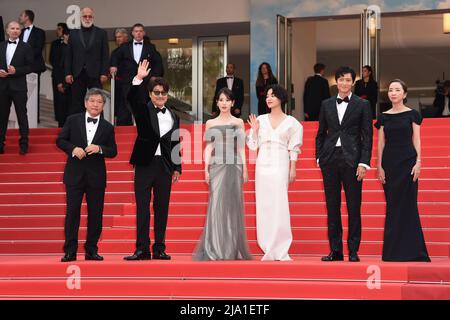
284	58
212	60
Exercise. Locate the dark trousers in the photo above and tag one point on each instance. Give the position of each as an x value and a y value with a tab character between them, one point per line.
20	104
60	103
95	199
337	173
122	110
153	177
79	88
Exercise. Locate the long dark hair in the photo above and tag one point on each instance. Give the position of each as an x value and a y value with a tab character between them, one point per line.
260	78
369	68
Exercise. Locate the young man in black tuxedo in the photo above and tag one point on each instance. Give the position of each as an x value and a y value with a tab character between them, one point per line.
87	138
35	37
156	160
343	151
124	64
16	59
236	85
316	90
87	59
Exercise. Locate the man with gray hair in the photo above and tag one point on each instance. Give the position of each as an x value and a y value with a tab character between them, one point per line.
85	172
87	59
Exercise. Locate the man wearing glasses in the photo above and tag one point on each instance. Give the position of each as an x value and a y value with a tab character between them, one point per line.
87	59
156	160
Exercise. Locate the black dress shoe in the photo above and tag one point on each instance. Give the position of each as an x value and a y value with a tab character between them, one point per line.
161	255
69	257
334	256
353	257
23	150
93	256
139	255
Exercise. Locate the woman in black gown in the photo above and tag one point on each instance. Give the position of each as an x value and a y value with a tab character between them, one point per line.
263	81
398	169
367	88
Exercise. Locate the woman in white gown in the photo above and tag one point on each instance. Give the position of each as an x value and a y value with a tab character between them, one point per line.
279	138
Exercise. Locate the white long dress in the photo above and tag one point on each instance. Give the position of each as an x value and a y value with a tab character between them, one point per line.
276	148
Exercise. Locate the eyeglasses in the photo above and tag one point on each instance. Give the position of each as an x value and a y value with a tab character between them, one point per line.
88	17
160	93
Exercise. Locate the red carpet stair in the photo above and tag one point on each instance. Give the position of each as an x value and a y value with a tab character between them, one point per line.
32	209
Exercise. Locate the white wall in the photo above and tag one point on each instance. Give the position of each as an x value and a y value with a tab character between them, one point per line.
114	13
303	60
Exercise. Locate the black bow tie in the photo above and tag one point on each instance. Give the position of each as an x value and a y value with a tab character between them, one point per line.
12	42
138	43
339	100
230	77
163	110
27	28
92	120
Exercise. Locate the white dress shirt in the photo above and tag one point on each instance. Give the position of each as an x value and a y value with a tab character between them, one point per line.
137	50
10	50
91	128
26	34
230	82
341	108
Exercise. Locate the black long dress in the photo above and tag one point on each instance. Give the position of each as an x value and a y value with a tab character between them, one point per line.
261	95
368	91
403	235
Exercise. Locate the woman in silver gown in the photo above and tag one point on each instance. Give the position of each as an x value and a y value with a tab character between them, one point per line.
224	236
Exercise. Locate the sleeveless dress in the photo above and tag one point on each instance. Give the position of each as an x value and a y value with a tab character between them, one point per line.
403	235
224	235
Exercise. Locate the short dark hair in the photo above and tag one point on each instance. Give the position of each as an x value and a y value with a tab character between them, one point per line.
278	91
158	81
30	14
227	92
136	25
344	70
64	26
318	67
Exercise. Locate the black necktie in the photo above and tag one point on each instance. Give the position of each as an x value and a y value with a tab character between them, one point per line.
12	42
339	100
92	120
138	43
163	110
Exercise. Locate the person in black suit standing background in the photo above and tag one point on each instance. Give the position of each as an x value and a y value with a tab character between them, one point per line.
343	151
16	61
124	64
35	37
87	59
156	160
87	138
316	90
60	89
236	85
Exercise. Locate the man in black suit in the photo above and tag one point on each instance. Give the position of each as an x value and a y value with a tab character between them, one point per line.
316	90
124	64
236	85
2	31
122	118
87	138
442	100
60	89
343	151
35	37
156	159
16	60
87	59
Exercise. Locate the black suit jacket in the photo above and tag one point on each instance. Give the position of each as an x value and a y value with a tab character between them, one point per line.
316	90
238	92
94	54
22	61
123	60
92	168
57	56
2	31
37	41
355	131
148	135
